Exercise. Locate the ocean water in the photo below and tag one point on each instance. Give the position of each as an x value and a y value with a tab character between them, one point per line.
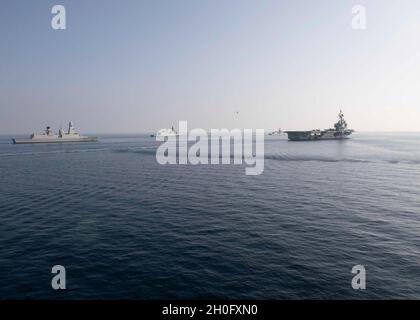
127	227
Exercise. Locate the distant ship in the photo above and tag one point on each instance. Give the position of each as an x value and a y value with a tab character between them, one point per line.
62	137
339	131
275	132
166	133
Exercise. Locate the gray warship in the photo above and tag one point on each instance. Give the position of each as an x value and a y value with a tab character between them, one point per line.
62	137
339	132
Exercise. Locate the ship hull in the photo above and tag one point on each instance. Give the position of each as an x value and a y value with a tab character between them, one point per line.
318	135
54	140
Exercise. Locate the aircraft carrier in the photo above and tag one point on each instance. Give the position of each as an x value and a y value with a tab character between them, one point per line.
339	132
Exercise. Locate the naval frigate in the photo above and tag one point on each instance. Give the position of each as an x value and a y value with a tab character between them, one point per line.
62	137
339	131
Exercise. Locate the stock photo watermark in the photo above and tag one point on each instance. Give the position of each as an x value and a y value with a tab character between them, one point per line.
359	280
58	282
220	146
358	21
58	21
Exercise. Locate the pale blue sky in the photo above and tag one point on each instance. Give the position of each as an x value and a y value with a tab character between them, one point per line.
137	66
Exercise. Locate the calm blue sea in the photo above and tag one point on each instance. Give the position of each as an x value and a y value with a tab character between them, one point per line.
127	227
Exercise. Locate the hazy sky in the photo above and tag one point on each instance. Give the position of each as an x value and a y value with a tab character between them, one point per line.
137	66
